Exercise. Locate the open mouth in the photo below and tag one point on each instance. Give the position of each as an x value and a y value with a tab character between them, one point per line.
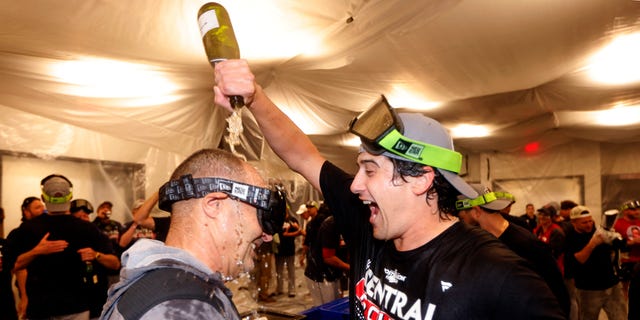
374	210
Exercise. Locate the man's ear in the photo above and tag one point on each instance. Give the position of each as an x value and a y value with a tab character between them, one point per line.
422	183
213	203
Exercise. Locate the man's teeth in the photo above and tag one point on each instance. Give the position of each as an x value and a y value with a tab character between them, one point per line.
367	202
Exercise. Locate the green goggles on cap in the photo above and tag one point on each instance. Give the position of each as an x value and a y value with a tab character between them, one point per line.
466	204
634	204
380	129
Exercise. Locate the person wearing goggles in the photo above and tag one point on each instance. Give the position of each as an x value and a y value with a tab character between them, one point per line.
220	209
81	208
484	212
410	257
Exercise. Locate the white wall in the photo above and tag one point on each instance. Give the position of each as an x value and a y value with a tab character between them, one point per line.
589	160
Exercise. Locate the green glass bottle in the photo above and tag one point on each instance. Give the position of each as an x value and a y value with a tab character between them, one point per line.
90	277
218	38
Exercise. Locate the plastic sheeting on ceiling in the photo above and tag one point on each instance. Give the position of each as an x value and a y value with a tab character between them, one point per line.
516	66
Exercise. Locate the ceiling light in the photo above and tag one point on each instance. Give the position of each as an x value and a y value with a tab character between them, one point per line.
617	63
618	116
353	141
103	78
469	131
401	97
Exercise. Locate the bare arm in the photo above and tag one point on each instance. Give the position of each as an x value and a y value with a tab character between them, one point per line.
109	261
21	279
583	255
127	236
142	215
329	257
45	246
234	77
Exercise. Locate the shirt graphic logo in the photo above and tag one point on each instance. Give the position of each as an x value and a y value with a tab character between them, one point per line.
393	276
445	285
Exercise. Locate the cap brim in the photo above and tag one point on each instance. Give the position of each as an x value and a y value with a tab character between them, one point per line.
462	186
58	207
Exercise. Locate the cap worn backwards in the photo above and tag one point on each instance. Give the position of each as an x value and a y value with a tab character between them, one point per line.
426	130
579	212
302	209
550	209
56	193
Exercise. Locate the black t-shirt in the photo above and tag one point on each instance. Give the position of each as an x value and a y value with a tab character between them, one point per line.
55	282
287	246
327	237
526	245
7	303
463	273
597	273
161	227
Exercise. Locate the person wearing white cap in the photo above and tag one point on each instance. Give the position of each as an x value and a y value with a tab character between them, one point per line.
410	257
484	211
588	259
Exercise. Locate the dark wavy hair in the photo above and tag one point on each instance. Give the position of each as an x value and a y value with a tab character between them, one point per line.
447	194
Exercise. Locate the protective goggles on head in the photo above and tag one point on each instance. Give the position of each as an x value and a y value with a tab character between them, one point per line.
381	129
54	199
81	204
270	204
633	204
485	198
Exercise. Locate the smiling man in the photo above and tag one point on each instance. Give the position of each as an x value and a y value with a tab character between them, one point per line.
410	256
219	206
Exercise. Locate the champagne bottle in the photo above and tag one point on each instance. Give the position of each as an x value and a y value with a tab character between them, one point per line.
218	38
90	277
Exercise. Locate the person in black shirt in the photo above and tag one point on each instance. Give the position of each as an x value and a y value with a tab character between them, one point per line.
56	249
410	257
484	212
588	258
286	255
529	217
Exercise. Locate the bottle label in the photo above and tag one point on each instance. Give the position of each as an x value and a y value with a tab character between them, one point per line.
208	21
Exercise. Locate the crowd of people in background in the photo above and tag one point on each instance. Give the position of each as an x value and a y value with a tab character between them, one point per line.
60	262
576	257
429	239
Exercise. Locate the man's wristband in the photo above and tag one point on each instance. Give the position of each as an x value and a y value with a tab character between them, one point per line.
98	254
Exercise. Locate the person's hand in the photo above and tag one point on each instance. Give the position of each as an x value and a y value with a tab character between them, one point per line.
87	254
46	246
233	78
597	238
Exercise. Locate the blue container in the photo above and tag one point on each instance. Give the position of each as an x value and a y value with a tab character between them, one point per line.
335	310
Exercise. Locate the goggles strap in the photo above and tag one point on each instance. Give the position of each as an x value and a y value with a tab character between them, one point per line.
57	200
188	187
505	196
484	199
424	153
